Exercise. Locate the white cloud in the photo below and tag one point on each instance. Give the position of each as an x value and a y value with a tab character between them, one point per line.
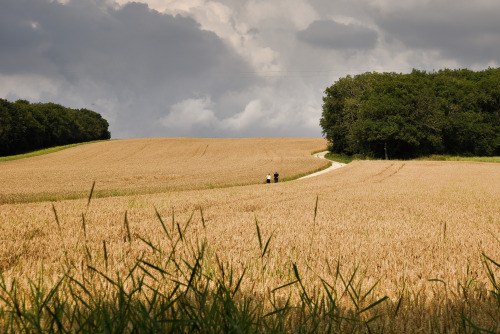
299	12
228	24
189	114
251	116
273	113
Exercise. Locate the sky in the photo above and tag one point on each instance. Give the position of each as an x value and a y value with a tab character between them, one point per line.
227	68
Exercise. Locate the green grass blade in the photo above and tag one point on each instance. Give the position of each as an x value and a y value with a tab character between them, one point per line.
188	222
374	304
348	287
314	226
284	286
56	319
57	219
104	275
51	293
147	273
88	254
149	243
162	224
105	254
304	292
316	207
90	195
193	274
202	218
258	232
221	266
328	293
437	280
60	233
180	232
370	290
236	288
160	270
491	260
296	272
84	289
84	227
398	305
127	228
267	244
477	328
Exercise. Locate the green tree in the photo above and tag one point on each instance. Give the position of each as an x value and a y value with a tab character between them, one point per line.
390	115
25	127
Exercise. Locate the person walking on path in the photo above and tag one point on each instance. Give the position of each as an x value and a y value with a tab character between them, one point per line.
276	175
268	178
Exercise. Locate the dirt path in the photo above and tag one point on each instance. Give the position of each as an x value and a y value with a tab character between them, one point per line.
334	165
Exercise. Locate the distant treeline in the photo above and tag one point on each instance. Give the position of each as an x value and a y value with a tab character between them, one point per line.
27	127
390	115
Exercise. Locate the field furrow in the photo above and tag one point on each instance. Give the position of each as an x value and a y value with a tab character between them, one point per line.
417	228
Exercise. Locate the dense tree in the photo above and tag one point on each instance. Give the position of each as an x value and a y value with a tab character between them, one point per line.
27	127
390	115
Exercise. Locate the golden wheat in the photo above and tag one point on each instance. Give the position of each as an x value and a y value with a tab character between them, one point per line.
415	226
157	164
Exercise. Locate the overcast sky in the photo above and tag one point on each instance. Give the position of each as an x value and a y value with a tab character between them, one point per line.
227	68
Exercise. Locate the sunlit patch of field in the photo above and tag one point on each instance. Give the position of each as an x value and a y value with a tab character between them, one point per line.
156	164
418	228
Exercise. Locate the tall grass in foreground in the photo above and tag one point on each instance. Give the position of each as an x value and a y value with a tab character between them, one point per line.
193	290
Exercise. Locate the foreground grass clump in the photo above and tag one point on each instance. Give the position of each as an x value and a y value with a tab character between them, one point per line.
162	291
186	286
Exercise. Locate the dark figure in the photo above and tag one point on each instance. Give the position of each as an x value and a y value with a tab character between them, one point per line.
276	177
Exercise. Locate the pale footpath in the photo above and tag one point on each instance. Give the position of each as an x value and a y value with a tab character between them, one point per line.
334	165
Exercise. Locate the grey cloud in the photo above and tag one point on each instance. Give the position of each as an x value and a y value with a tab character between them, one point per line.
332	35
138	61
468	32
153	74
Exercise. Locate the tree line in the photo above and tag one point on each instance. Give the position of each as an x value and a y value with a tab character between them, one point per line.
391	115
27	127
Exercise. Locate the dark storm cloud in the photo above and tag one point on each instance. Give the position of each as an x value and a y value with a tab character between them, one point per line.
332	35
467	32
142	60
226	68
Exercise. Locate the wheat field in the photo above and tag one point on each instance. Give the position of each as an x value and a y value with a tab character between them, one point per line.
415	230
153	165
